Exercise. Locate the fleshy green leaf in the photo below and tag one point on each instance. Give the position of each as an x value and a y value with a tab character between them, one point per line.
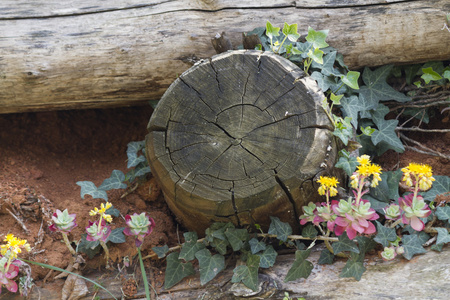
443	213
256	245
117	236
309	231
351	79
317	38
429	75
291	32
385	235
176	270
344	244
316	55
348	164
281	229
353	268
236	237
248	273
272	31
443	236
89	188
114	182
161	251
209	265
441	185
326	257
132	153
268	257
412	246
190	246
376	89
301	268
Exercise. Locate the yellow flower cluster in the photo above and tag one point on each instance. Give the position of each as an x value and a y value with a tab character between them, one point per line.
101	211
364	170
14	244
328	184
420	173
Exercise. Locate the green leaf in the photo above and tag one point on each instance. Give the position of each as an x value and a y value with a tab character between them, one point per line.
351	79
88	247
386	133
309	231
411	72
317	38
272	31
114	182
368	130
336	99
441	185
236	237
429	75
248	273
132	153
326	257
365	244
324	82
412	246
117	236
328	64
268	257
176	270
353	268
291	32
256	245
142	169
301	268
220	245
190	246
161	251
447	74
387	188
113	211
316	55
209	265
344	244
385	235
351	107
443	213
376	89
281	229
348	164
437	247
443	236
89	188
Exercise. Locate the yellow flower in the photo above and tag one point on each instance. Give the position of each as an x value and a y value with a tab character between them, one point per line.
108	218
363	159
365	170
14	245
103	208
420	173
328	184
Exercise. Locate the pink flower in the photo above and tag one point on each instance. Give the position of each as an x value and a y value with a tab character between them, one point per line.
139	226
6	278
354	219
98	234
414	208
63	221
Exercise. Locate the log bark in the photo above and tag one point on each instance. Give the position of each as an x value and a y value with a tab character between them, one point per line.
82	54
240	138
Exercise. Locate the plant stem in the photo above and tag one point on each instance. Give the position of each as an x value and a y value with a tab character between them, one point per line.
395	223
144	275
106	253
66	241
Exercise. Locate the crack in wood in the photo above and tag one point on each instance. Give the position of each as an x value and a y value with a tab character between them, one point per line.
288	194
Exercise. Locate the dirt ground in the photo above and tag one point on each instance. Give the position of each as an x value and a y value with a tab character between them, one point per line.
43	155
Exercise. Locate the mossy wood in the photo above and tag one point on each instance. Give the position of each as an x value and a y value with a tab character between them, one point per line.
239	138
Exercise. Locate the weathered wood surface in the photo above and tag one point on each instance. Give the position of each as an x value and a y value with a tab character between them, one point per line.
240	138
81	54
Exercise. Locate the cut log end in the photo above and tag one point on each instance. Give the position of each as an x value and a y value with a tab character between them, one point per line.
239	138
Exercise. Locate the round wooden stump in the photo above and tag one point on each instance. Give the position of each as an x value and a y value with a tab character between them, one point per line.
239	138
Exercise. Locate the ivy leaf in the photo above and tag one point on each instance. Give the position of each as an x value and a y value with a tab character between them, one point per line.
411	72
272	31
316	55
437	247
387	188
114	182
133	149
385	235
367	131
291	32
336	99
256	245
365	244
117	236
309	231
190	247
328	64
386	133
441	185
317	38
268	257
412	246
113	211
326	257
348	164
90	248
443	236
220	245
161	251
429	75
236	237
209	265
351	79
351	107
353	268
248	273
376	89
176	270
89	188
301	268
447	74
324	82
443	213
281	229
142	169
344	244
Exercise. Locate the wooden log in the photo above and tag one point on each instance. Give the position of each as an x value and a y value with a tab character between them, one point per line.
239	138
83	54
